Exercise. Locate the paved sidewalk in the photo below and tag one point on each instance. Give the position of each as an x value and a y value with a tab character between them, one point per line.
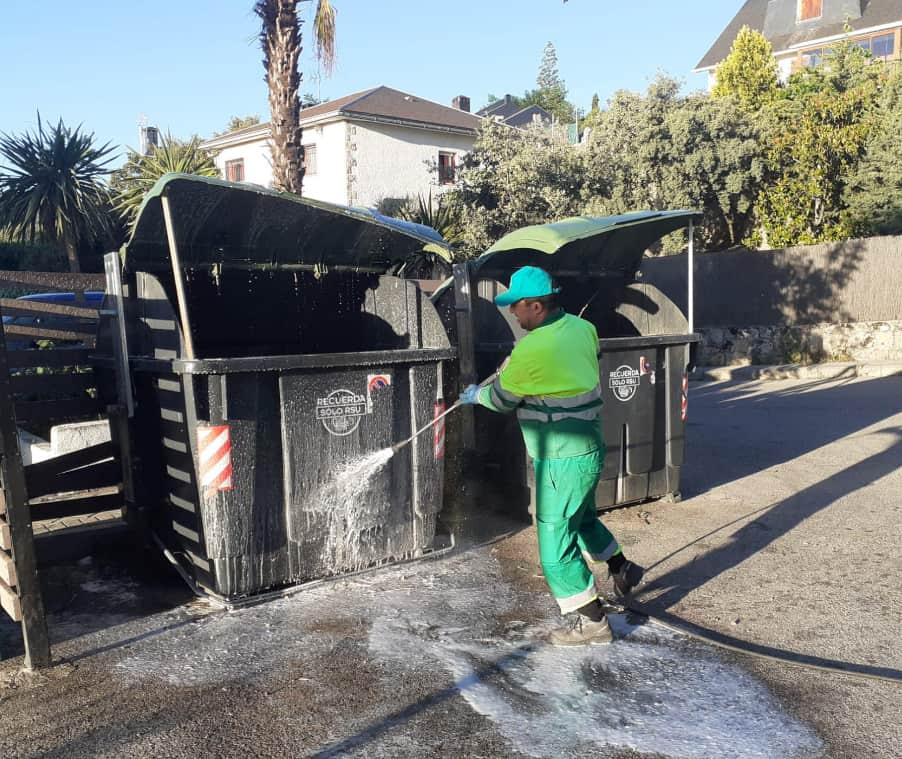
828	371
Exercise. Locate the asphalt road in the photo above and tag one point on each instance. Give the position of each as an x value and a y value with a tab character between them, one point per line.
786	542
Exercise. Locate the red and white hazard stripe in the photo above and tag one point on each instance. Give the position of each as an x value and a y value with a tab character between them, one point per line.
438	434
214	452
684	398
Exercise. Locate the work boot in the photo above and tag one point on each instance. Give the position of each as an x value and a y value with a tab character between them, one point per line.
581	631
627	578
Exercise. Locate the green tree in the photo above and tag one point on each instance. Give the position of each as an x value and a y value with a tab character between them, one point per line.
660	150
718	168
238	122
513	178
873	192
749	72
817	132
280	38
550	92
593	117
52	188
308	100
140	172
630	150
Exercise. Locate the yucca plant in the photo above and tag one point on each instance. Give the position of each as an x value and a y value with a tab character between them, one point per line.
441	217
140	172
444	220
52	188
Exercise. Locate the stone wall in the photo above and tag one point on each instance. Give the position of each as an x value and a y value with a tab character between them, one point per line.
801	344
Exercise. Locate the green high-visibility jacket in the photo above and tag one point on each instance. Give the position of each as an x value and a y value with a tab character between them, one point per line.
552	382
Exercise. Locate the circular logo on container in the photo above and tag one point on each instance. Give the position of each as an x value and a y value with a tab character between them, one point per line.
340	411
624	381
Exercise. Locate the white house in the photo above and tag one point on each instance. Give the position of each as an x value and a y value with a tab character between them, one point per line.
800	31
362	148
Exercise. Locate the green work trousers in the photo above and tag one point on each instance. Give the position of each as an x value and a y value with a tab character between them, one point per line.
570	533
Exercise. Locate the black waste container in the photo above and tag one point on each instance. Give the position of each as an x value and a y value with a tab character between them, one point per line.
646	342
268	351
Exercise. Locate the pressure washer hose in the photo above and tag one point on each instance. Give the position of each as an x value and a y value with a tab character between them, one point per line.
891	675
457	404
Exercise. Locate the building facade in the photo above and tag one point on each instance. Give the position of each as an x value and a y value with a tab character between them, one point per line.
801	31
376	145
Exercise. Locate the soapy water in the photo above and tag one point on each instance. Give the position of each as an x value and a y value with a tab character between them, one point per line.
355	520
652	690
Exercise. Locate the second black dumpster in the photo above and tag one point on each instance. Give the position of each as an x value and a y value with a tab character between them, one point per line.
270	355
645	349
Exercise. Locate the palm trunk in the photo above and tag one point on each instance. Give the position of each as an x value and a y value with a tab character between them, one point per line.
72	255
280	38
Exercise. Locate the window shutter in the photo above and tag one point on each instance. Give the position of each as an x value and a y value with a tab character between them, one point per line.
809	9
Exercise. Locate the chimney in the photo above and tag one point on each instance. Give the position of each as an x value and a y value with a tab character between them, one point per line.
461	103
150	139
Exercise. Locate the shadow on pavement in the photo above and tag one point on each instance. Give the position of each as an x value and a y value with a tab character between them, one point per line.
792	422
746	430
114	586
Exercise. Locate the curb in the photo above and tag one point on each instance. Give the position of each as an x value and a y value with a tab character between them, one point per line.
839	370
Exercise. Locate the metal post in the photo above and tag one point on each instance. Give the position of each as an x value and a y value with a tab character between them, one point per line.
16	535
118	336
179	279
689	277
466	352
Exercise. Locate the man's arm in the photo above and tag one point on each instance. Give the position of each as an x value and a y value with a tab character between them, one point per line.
496	398
509	388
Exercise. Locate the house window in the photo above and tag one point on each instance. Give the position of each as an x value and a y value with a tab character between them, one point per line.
883	46
810	9
446	168
310	160
813	57
234	170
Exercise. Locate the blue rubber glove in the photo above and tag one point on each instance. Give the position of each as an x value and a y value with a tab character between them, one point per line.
470	396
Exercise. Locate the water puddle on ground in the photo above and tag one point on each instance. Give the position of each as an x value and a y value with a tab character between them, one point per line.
649	691
652	690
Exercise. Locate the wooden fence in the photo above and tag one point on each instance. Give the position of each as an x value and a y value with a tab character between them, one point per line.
47	377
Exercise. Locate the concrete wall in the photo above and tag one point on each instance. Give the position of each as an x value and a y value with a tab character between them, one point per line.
257	161
840	301
330	182
784	68
389	161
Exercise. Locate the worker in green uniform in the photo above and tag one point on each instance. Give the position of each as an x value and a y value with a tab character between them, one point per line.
551	381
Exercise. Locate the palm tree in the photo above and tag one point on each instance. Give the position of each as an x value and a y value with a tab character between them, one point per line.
140	172
51	187
280	38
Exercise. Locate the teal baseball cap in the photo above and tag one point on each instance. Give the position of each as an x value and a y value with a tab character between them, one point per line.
528	282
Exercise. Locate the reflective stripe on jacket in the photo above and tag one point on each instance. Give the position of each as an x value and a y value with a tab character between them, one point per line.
551	380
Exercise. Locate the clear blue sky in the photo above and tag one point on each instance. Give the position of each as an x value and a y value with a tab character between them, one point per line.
189	65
